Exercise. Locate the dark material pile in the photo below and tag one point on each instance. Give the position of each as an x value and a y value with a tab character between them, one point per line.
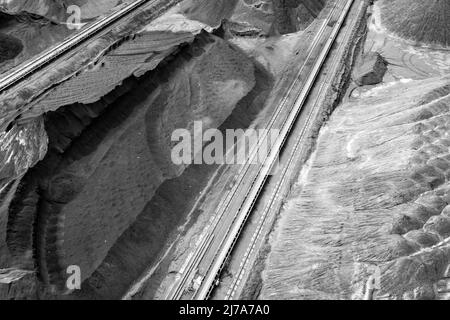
294	15
371	70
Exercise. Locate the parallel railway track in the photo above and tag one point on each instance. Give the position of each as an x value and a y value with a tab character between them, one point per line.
239	201
44	59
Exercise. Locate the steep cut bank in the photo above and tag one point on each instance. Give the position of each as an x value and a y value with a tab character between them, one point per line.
374	200
426	22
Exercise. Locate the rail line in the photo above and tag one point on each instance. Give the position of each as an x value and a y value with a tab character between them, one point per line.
283	178
258	179
263	174
43	59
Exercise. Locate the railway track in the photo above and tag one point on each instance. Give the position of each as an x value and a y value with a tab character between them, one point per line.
96	29
200	274
275	197
443	287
